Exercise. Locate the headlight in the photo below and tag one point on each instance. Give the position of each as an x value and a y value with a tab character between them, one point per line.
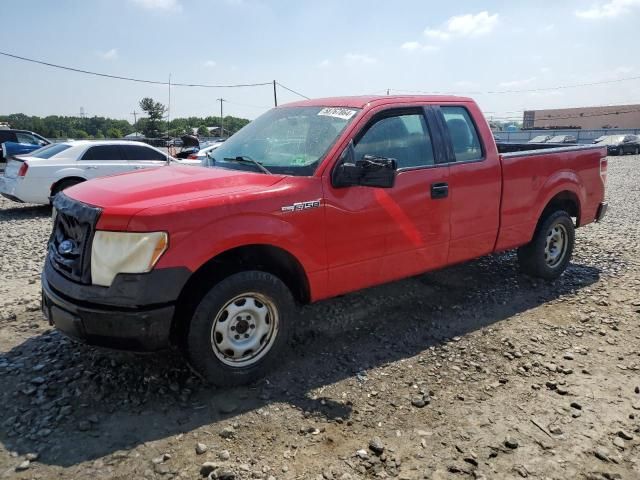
124	252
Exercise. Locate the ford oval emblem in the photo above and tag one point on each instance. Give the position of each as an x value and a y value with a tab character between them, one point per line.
66	247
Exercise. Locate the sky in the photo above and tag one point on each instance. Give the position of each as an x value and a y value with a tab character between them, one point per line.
318	48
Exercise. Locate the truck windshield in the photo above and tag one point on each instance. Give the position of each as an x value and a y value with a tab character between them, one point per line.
285	140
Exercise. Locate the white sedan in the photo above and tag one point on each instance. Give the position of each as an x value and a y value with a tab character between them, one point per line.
40	175
201	155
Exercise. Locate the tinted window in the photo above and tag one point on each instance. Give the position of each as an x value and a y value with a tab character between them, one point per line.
27	138
103	152
404	137
50	150
138	152
463	134
7	136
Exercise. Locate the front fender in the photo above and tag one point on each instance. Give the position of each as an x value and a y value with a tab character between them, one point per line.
194	250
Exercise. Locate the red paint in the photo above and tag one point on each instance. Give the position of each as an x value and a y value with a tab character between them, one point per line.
359	236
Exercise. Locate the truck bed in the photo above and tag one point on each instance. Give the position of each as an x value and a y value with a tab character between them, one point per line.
531	177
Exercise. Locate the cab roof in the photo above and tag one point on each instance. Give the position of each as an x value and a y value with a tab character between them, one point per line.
374	100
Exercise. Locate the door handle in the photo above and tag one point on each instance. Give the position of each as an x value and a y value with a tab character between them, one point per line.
439	190
90	168
137	167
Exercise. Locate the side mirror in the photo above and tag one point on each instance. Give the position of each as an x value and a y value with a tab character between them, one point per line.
369	172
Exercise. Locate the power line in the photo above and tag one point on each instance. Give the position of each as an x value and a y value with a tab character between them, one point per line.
292	91
131	79
542	89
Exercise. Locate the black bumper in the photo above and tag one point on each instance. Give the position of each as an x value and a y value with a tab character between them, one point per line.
135	313
602	210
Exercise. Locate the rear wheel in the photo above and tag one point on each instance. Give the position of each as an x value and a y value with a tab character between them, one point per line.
241	327
550	250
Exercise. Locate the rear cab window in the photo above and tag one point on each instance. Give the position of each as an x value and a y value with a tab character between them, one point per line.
463	134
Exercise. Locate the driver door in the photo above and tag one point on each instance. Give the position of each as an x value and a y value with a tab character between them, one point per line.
375	235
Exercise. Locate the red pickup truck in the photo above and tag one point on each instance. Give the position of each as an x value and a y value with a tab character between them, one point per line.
311	200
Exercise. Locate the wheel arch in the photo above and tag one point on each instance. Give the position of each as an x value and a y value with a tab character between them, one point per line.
55	184
262	257
566	200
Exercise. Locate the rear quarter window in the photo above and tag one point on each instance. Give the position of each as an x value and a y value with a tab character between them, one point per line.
103	152
463	134
140	153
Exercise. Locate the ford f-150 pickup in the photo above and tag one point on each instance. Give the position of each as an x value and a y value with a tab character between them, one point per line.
311	200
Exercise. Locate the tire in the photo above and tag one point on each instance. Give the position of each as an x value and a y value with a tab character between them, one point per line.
549	252
255	305
637	151
64	184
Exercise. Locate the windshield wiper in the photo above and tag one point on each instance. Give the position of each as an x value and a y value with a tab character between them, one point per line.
247	159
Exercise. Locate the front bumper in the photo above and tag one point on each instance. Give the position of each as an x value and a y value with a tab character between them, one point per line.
128	315
602	210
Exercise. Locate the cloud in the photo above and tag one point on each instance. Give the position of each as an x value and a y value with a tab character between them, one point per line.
517	83
418	47
359	59
469	25
610	9
324	63
164	5
545	69
110	54
209	63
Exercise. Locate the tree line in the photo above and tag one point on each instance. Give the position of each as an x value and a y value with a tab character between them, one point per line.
152	126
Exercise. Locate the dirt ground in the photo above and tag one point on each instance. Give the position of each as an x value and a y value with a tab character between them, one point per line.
476	371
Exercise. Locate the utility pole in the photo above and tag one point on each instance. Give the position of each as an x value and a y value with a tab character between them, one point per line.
169	107
135	118
275	95
221	117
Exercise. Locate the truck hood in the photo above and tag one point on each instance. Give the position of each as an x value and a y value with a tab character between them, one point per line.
132	192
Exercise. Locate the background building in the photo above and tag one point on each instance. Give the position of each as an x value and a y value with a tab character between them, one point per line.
614	116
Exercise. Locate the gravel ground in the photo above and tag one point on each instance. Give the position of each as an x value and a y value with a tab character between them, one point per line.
475	371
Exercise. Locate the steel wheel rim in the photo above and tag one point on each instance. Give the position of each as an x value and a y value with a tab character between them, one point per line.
556	245
244	329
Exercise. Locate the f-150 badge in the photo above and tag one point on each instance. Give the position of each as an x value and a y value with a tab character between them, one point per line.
301	206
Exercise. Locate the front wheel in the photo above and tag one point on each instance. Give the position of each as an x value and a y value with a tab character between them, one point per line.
549	252
241	327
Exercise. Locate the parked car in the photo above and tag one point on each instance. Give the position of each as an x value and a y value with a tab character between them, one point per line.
563	139
540	139
621	144
37	177
202	155
18	142
309	201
